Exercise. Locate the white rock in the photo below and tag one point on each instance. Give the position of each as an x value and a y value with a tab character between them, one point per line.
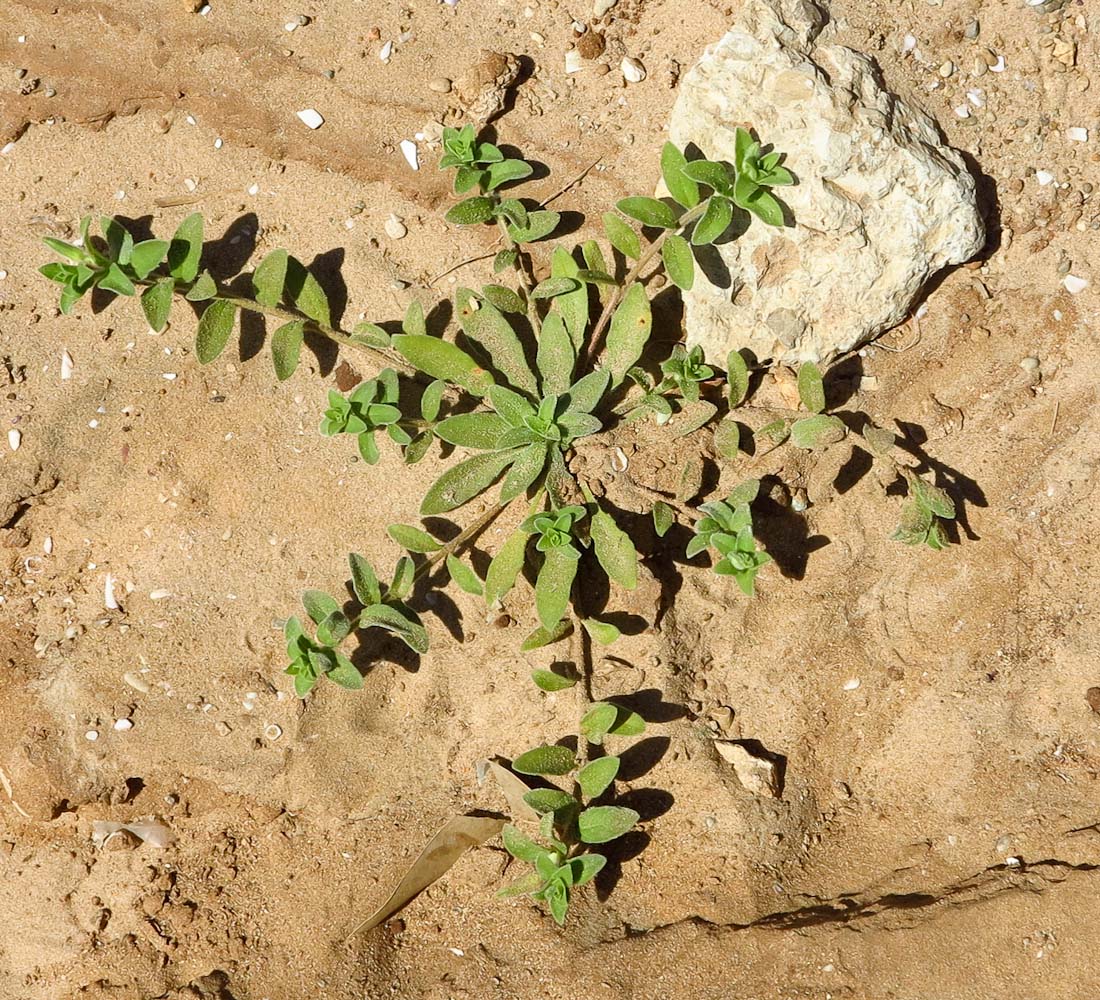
1073	284
66	366
1077	134
574	62
15	438
880	204
395	228
758	774
633	70
1044	177
601	7
123	725
411	153
311	118
385	52
109	600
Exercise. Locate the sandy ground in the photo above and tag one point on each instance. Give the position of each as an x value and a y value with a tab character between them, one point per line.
938	834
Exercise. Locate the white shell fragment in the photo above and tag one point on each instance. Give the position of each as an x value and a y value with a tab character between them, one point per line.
386	51
109	600
147	831
395	228
1073	284
1077	134
574	63
66	366
15	439
633	70
411	154
159	595
311	118
123	725
1044	177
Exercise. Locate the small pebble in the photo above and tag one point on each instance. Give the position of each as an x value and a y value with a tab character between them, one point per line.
136	682
574	63
159	595
311	118
633	70
273	732
1030	364
852	684
1077	134
947	68
123	725
395	228
91	736
1044	177
441	85
1073	284
972	30
409	151
66	366
15	438
963	111
385	52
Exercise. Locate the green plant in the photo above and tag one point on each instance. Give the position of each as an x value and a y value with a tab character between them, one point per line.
569	823
538	373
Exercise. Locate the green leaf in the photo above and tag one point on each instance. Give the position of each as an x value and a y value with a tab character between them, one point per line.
679	185
595	777
930	497
916	521
663	518
881	441
370	334
649	212
404	576
777	431
505	259
550	800
185	249
545	760
413	539
344	674
215	326
470	212
587	866
156	303
737	375
512	210
120	243
630	329
413	322
503	299
817	432
525	470
539	225
715	221
597	721
520	847
714	175
523	886
487	327
744	493
467	177
621	236
585	394
318	605
594	260
400	621
727	438
602	632
553	286
464	481
66	250
598	277
547	680
334	629
286	348
505	567
203	289
614	550
431	400
572	306
553	587
368	447
464	577
269	277
116	281
442	360
147	255
556	356
364	581
541	637
305	292
479	430
679	263
811	387
765	206
557	898
506	171
599	824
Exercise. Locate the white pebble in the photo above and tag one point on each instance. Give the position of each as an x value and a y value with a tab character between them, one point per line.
386	52
998	66
135	682
159	595
169	376
1074	284
395	228
123	725
1077	134
254	189
852	684
273	732
962	111
908	43
409	151
66	366
91	736
47	544
8	147
311	118
189	184
633	70
109	600
15	439
218	144
1044	177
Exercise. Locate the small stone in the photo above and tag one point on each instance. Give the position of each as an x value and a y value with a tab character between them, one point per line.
1092	696
272	732
972	30
1044	177
311	118
410	152
123	725
757	774
601	7
947	68
66	366
573	61
395	228
1074	284
1029	364
852	684
441	85
15	439
1077	134
633	70
91	736
591	45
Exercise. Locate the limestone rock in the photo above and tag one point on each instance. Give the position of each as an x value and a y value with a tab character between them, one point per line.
881	202
483	88
757	774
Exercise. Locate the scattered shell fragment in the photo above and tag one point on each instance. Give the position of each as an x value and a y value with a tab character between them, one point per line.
66	365
109	600
385	52
851	685
311	118
998	66
91	736
395	228
963	111
273	732
149	832
1074	284
159	595
411	154
1044	177
1029	364
573	61
47	544
15	438
601	7
633	70
136	682
1077	134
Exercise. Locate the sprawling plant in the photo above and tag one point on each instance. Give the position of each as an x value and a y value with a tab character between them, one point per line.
535	373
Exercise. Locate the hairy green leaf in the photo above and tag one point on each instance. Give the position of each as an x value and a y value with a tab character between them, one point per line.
602	632
363	580
817	432
479	430
679	185
306	293
215	326
286	348
545	760
344	673
649	212
621	236
156	303
464	481
556	356
679	263
413	539
506	171
464	577
541	637
553	587
715	221
547	680
503	298
727	438
630	329
572	306
524	471
318	605
663	518
269	278
550	800
442	360
737	375
540	224
487	327
585	394
147	256
204	288
470	212
520	847
811	387
599	824
185	249
404	576
596	777
505	567
614	550
400	621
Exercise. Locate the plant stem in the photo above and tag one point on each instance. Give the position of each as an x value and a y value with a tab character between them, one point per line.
524	280
460	540
581	651
634	273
